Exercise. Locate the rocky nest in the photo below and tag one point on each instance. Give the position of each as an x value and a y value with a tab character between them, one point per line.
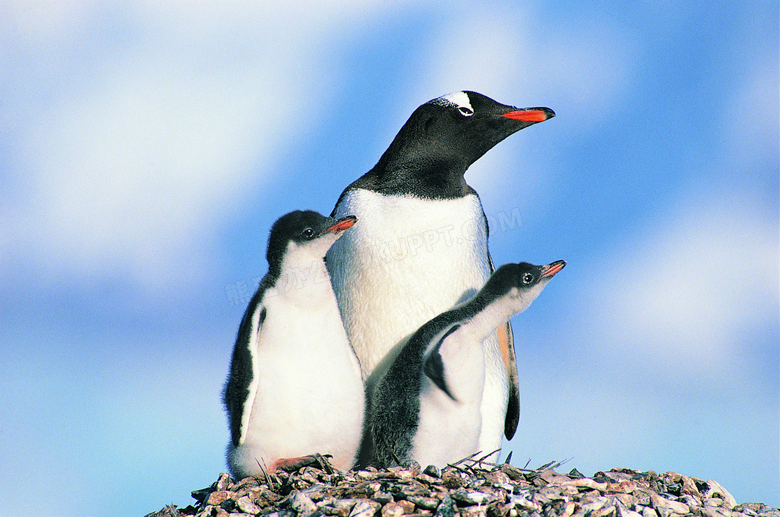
469	488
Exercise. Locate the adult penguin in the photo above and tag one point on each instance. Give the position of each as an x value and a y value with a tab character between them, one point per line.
421	246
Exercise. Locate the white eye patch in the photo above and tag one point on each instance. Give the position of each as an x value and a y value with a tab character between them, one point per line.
457	99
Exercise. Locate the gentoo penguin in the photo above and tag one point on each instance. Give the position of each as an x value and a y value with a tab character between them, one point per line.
421	246
294	387
426	405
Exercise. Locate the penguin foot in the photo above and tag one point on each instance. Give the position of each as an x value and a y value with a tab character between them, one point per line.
312	460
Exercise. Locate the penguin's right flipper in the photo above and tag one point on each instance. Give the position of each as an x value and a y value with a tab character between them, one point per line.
240	388
506	343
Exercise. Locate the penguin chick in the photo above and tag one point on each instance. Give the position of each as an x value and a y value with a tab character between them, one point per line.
426	405
294	387
422	243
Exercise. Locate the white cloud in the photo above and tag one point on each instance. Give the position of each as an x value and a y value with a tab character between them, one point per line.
685	297
133	158
750	120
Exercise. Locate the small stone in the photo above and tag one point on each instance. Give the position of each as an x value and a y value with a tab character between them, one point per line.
201	494
246	505
470	498
473	511
365	508
576	474
626	486
649	512
426	503
714	490
405	473
219	497
621	510
316	492
665	506
514	473
642	496
302	504
339	507
406	491
689	487
524	504
397	508
428	480
224	481
433	471
586	483
622	474
382	497
553	477
245	484
626	499
497	477
594	504
605	511
714	511
446	508
692	502
744	510
569	509
452	478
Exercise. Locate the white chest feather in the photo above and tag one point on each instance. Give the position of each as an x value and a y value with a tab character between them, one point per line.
450	424
407	260
307	394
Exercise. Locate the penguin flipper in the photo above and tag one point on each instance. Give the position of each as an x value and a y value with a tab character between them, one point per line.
434	366
240	389
506	342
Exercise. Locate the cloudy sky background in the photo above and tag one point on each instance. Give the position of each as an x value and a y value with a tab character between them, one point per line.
147	147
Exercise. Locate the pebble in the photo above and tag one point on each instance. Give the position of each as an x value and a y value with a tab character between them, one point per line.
467	489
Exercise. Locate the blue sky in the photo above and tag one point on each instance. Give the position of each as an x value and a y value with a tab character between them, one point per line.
147	147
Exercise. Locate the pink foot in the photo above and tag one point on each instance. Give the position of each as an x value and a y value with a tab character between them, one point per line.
293	464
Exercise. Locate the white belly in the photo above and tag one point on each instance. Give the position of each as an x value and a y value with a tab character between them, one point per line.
404	262
309	397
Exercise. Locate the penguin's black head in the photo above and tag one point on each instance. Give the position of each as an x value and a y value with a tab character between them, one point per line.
442	138
304	229
523	280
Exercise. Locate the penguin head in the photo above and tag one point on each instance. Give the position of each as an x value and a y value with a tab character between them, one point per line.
522	282
444	136
303	235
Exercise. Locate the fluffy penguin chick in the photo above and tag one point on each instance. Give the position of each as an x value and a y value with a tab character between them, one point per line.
294	387
422	243
426	405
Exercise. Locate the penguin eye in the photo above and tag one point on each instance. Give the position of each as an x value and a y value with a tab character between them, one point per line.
465	111
528	278
308	232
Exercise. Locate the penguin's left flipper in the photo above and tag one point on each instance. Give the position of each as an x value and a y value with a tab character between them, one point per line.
506	343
